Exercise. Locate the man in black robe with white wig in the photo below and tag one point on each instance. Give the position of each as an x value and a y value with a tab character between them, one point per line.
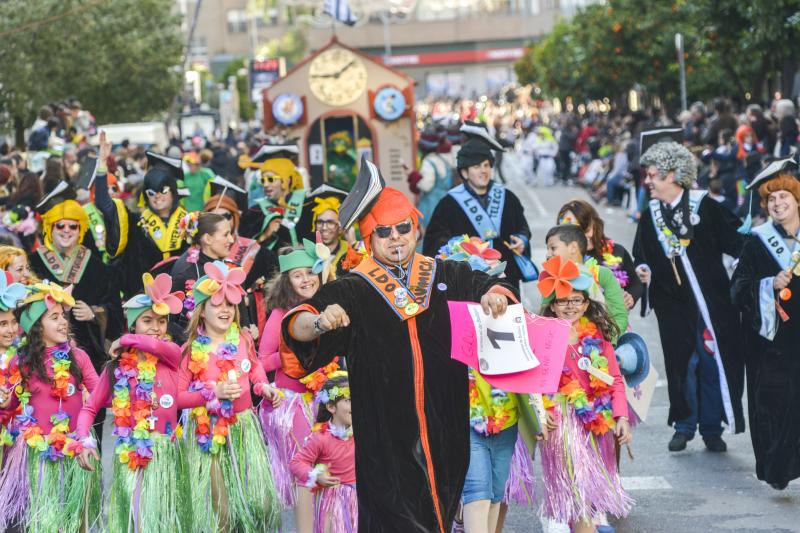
679	245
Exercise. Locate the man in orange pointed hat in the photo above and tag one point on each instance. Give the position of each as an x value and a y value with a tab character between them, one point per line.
389	317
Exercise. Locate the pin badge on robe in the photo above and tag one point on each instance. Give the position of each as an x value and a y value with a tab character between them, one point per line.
246	365
157	234
70	389
401	297
441	286
411	309
166	401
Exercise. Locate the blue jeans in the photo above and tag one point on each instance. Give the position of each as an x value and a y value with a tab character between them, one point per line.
702	387
489	464
614	186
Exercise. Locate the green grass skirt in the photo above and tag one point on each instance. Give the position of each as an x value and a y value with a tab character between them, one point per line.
154	499
242	481
62	495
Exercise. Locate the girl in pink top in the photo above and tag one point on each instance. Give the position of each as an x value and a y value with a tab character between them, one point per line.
230	481
140	384
326	463
286	428
43	488
578	458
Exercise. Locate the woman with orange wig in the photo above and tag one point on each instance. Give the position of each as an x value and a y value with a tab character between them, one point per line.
766	288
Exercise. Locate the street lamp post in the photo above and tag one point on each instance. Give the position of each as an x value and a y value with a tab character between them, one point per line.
682	67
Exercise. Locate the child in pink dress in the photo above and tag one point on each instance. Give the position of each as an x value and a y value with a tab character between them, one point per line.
589	411
326	463
230	482
42	486
140	384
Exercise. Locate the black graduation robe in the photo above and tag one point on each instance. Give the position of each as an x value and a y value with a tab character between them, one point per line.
141	253
394	494
94	287
677	311
773	366
449	220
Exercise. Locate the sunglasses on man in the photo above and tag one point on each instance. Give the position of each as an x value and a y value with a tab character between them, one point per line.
72	226
266	179
151	193
384	232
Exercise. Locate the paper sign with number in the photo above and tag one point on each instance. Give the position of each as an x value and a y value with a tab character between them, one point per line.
503	346
547	337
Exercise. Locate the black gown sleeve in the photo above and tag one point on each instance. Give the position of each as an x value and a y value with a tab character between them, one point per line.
725	225
438	230
265	265
745	285
318	353
105	204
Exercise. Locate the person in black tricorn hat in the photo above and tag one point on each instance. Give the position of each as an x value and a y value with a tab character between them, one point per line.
481	207
678	249
766	288
139	242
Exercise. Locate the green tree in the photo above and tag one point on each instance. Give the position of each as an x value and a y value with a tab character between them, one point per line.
731	48
120	58
246	107
292	45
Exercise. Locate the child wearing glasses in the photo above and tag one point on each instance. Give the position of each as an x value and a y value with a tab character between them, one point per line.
569	242
588	411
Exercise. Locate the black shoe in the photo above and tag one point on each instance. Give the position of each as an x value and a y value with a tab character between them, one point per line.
678	442
779	486
715	444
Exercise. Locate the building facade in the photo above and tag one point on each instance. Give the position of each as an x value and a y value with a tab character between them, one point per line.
448	47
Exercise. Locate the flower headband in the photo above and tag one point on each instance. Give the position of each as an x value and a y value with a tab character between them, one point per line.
559	277
478	253
157	296
45	295
11	293
187	226
313	255
219	283
335	393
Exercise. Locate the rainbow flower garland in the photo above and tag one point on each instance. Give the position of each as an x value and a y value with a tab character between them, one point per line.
593	407
9	378
59	442
614	263
488	423
213	419
132	419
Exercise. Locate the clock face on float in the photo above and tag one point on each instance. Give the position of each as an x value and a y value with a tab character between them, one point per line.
337	77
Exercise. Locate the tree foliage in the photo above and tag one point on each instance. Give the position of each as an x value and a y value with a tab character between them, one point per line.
120	58
731	48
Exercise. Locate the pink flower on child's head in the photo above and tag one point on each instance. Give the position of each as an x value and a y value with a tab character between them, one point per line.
230	282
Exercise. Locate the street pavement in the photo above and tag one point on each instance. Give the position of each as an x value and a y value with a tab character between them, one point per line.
685	492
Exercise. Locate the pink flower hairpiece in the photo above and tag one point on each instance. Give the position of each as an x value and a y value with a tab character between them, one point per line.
158	290
223	283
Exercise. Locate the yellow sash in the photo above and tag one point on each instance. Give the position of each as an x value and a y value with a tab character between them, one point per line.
416	295
167	238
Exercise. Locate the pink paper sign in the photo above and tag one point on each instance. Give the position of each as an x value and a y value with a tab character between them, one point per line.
548	338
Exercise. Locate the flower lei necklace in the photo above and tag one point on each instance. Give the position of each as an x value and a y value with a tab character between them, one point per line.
340	432
213	419
9	377
58	443
132	419
488	423
593	407
614	263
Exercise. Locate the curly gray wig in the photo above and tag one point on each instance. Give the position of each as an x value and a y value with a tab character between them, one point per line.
669	156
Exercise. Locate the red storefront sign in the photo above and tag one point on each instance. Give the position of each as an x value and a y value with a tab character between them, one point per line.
454	57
